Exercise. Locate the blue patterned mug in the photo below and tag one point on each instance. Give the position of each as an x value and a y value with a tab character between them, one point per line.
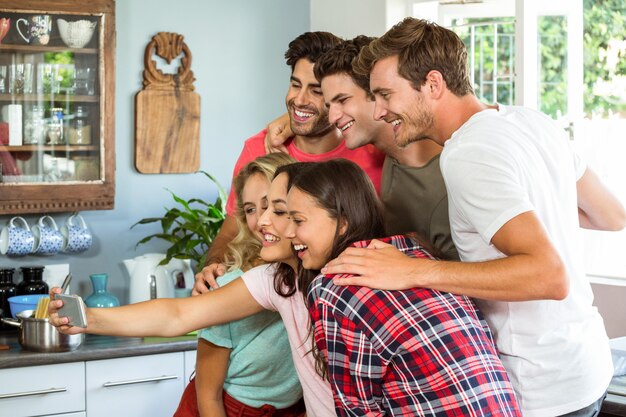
76	236
48	237
16	238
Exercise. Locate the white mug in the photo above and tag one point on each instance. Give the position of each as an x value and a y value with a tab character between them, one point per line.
76	235
48	237
16	238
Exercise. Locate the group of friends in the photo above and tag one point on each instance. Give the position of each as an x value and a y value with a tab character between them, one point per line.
415	250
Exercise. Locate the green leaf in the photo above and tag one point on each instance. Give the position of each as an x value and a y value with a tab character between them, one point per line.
189	227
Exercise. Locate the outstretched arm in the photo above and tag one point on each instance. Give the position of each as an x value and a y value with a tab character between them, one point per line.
165	317
598	208
531	270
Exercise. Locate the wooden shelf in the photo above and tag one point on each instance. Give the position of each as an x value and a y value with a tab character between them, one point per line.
58	148
49	98
46	48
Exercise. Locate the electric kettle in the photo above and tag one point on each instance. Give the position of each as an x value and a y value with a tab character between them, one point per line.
150	280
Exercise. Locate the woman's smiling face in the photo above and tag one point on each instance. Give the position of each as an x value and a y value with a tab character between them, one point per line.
313	229
254	199
274	224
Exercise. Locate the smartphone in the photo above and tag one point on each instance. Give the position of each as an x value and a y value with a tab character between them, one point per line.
73	308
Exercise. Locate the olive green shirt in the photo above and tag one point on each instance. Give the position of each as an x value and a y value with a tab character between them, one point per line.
416	200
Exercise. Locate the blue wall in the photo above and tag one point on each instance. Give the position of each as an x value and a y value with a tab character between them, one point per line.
237	48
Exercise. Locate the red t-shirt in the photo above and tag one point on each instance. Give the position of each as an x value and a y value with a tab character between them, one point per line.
367	157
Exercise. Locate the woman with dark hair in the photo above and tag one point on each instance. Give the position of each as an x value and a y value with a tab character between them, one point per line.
414	352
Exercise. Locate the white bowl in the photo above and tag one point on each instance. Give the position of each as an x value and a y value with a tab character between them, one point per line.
76	34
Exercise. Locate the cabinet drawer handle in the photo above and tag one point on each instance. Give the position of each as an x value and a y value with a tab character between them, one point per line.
30	393
140	381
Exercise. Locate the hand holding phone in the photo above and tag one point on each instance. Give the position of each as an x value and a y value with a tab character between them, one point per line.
73	308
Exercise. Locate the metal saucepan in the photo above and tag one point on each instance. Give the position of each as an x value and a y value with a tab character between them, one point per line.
40	336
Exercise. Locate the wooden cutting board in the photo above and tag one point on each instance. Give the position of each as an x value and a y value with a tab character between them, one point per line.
167	112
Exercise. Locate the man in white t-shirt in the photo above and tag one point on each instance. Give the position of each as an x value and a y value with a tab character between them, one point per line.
517	196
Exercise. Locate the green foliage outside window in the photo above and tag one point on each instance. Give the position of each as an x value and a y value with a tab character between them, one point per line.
604	59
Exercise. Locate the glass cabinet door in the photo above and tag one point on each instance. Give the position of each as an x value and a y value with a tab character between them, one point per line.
56	86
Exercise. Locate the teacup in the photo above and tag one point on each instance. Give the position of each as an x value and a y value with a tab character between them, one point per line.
5	25
76	235
76	34
37	29
48	237
16	238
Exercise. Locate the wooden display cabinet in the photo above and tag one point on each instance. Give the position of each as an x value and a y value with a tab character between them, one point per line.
57	91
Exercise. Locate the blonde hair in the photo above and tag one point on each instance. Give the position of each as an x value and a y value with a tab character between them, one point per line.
243	251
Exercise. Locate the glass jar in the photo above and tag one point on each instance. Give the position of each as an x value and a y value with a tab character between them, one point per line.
7	289
79	132
32	281
34	128
86	168
55	126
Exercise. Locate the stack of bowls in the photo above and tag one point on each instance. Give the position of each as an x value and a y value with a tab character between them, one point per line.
21	303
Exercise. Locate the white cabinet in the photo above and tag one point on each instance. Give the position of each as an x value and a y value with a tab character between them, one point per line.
47	389
137	386
190	364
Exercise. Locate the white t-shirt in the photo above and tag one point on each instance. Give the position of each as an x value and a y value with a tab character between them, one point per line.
318	397
499	164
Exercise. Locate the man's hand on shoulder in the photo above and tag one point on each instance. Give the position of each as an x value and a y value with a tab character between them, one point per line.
208	276
278	131
380	266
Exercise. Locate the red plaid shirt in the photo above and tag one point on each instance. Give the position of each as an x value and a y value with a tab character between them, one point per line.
417	352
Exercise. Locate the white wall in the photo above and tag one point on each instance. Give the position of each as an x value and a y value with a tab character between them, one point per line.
349	18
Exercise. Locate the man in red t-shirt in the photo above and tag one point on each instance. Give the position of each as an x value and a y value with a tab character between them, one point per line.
315	139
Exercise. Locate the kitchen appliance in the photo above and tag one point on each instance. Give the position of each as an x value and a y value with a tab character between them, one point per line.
40	336
150	280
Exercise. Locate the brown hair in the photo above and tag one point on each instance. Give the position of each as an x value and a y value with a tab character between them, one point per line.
421	47
285	277
310	45
345	192
243	251
343	189
339	61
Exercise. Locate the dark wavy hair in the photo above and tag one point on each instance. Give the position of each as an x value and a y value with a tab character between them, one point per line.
310	45
346	193
339	61
285	276
343	189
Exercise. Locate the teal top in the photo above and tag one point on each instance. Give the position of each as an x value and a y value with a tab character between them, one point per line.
260	369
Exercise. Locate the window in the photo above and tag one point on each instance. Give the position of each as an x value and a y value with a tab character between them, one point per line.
579	80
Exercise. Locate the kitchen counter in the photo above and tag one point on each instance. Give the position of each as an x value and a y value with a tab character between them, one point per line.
615	402
93	348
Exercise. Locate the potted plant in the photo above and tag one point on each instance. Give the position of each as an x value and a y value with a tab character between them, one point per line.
189	227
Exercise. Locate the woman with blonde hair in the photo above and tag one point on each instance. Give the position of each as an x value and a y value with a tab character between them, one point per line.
244	366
